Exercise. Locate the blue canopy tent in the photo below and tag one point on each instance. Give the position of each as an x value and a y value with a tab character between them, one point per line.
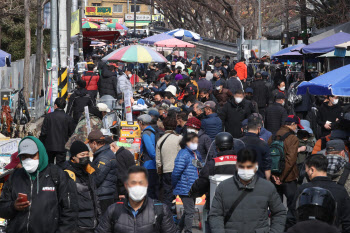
327	44
287	50
3	57
335	82
155	38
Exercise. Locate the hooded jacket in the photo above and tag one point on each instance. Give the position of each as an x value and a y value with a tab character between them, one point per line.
107	84
212	125
251	215
241	69
124	159
52	195
77	101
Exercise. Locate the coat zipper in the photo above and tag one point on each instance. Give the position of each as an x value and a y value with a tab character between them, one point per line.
31	195
68	201
134	224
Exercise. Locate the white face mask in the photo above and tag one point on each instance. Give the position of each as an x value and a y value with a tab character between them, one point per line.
137	193
218	88
283	88
192	131
335	101
283	103
238	100
193	146
30	165
246	174
129	75
139	91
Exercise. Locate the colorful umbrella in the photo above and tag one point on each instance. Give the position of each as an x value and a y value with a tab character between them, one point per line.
173	42
117	26
181	33
90	25
135	53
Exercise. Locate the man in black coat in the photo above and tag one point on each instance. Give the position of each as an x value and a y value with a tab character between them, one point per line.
55	132
252	141
276	114
233	83
234	112
107	84
78	100
261	93
316	169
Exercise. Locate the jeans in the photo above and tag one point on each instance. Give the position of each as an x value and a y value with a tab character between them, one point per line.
168	189
153	184
60	157
187	217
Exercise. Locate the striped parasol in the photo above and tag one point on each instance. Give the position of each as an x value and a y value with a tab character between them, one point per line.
135	53
117	26
90	25
182	33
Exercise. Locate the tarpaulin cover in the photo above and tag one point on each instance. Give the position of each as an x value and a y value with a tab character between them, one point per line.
327	44
335	82
3	56
287	50
102	35
155	38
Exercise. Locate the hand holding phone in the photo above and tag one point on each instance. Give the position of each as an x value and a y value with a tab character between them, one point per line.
21	202
23	197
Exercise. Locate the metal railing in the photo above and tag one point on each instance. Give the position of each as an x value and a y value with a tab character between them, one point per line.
38	108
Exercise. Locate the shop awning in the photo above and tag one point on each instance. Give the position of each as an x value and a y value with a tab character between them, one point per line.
138	23
102	35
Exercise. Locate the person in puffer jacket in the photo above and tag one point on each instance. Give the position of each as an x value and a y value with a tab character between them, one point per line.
91	80
183	176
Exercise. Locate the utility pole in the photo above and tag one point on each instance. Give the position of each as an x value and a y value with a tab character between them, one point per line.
54	52
259	32
63	33
81	54
128	10
135	18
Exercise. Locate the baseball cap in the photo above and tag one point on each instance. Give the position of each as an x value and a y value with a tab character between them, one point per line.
249	90
335	145
171	89
295	119
280	96
95	135
113	64
145	118
102	107
153	113
14	161
27	147
194	123
210	104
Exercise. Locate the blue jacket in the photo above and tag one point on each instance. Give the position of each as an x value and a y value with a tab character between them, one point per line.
161	88
148	148
184	173
265	134
212	125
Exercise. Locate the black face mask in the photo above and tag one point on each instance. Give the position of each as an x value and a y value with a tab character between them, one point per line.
157	102
204	99
84	161
249	97
172	66
200	116
161	117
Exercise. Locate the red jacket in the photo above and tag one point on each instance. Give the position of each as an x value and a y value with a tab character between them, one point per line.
91	85
241	69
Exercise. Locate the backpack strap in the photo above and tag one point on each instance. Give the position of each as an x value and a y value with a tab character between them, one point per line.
54	175
92	75
344	176
285	136
234	205
159	213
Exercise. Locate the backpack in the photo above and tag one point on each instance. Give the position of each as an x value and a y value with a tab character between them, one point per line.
293	98
277	154
156	133
158	210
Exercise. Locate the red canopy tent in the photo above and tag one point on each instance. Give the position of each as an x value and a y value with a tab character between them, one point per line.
171	43
99	35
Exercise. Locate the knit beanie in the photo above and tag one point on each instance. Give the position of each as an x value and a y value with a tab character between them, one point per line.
194	123
78	147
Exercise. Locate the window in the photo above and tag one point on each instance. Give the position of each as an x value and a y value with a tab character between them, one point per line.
137	8
96	4
117	8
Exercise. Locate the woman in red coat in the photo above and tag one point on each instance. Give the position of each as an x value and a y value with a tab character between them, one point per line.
91	80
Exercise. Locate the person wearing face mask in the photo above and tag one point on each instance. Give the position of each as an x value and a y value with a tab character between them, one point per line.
286	181
242	71
329	112
104	163
137	212
183	176
222	94
316	170
216	81
161	87
234	112
211	124
198	110
206	95
234	207
248	96
51	204
234	83
80	170
275	114
280	88
124	84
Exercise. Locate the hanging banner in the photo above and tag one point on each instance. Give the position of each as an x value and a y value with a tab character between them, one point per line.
128	107
87	118
71	57
75	27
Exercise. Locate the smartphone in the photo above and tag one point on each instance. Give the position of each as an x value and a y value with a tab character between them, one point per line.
23	196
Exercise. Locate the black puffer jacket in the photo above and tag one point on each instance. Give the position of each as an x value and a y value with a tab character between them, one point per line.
144	222
89	209
204	143
53	208
77	101
105	174
328	113
261	93
107	84
232	115
125	159
275	115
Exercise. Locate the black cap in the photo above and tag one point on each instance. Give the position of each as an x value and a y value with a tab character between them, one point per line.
335	145
224	141
78	147
280	96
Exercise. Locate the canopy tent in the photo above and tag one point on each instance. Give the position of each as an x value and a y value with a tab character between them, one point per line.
287	50
155	38
327	44
102	35
173	42
182	33
332	54
340	49
3	57
335	82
